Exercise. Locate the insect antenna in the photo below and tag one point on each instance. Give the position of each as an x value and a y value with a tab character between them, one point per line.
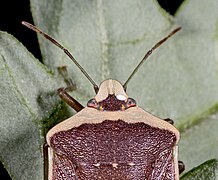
34	28
149	53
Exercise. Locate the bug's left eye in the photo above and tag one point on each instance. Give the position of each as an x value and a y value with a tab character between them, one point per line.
92	103
130	103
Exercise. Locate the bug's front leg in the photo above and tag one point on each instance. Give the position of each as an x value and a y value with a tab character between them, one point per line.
45	156
69	82
69	100
169	120
181	166
62	92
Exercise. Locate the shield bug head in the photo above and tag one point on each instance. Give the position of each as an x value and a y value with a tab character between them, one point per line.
111	138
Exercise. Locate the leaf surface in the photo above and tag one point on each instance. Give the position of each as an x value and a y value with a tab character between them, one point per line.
207	170
24	82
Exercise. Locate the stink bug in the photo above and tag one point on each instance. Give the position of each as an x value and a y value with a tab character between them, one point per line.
111	138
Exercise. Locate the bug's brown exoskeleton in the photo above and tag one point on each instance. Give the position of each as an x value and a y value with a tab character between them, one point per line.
112	138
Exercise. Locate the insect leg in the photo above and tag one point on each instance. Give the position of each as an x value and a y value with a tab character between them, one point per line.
70	84
181	166
69	99
45	156
169	120
62	92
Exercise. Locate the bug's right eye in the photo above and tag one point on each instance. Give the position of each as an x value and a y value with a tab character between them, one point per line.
92	103
130	103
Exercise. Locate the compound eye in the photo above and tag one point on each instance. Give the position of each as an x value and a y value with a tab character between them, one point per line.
130	103
92	103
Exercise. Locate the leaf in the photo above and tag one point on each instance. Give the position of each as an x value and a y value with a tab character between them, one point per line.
198	52
109	38
109	45
208	170
199	143
199	45
23	109
99	36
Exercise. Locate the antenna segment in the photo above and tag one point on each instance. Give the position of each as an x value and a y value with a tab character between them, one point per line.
34	28
149	53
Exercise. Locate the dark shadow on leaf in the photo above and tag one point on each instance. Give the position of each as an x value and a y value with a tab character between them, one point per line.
54	110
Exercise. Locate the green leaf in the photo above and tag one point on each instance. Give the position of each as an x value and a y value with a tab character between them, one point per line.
208	170
199	143
109	38
109	45
24	82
